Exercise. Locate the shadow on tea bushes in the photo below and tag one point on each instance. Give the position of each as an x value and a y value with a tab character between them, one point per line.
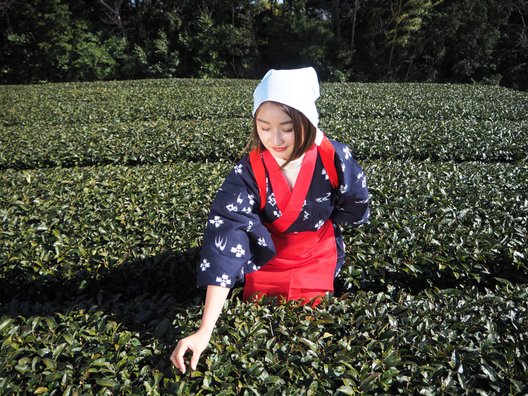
171	273
95	335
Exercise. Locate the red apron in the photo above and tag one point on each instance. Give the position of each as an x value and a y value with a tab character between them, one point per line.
304	266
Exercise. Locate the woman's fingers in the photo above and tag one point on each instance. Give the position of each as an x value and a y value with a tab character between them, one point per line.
196	343
178	354
195	358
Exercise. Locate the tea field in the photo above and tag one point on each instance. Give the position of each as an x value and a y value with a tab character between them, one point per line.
104	192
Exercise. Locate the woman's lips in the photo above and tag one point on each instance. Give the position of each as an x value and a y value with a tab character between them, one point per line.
279	149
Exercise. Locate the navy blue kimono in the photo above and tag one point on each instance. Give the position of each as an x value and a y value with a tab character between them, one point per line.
237	241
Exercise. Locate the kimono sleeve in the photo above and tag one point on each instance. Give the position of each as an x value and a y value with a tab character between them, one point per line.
236	242
352	201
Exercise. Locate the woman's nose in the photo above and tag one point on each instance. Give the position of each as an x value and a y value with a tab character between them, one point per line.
277	138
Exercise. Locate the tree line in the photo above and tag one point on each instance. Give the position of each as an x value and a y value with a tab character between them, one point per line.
457	41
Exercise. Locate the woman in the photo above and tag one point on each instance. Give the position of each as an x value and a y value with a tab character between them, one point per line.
274	221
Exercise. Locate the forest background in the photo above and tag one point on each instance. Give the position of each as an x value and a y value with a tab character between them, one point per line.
456	41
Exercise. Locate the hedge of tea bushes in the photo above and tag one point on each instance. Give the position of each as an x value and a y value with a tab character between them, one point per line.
455	139
77	223
442	222
125	101
422	101
430	222
152	100
124	143
97	262
445	341
140	122
163	141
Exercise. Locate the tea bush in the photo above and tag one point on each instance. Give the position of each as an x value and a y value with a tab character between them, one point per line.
161	141
208	120
177	99
105	189
444	341
434	222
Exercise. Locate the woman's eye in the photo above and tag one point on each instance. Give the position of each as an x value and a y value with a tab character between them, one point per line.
264	129
288	130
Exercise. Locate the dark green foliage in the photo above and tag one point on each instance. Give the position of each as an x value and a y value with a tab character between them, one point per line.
390	342
72	224
442	224
384	40
431	222
105	189
153	121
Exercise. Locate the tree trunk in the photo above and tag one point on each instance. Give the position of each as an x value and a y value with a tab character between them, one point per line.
114	14
395	34
336	18
354	15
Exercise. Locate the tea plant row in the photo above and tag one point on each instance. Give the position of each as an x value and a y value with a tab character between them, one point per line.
163	141
449	341
430	221
154	100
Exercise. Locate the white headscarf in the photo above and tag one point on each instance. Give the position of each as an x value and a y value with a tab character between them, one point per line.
297	88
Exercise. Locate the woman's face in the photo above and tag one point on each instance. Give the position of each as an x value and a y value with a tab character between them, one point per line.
275	130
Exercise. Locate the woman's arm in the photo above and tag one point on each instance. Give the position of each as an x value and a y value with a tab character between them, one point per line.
352	204
197	342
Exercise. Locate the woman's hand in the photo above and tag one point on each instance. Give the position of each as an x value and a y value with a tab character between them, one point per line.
197	343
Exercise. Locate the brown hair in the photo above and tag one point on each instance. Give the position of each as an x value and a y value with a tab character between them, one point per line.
302	127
